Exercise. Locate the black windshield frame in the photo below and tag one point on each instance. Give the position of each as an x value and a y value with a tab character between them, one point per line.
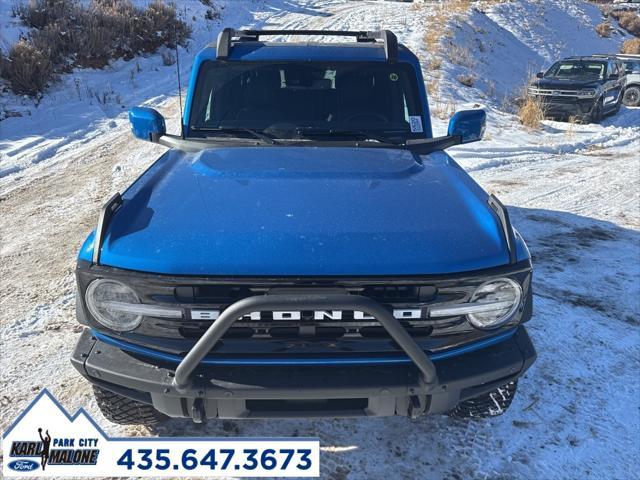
404	78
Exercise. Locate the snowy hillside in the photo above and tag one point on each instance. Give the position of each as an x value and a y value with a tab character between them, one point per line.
513	41
573	192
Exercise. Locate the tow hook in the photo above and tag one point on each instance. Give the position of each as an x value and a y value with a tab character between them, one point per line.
198	413
415	409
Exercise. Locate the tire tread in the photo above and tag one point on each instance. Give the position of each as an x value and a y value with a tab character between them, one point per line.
490	404
125	411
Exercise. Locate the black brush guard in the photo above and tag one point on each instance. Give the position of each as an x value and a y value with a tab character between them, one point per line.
183	379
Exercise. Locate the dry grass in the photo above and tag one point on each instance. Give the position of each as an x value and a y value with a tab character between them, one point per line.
438	22
442	109
438	29
168	58
458	8
491	88
572	121
435	63
435	28
28	69
531	113
38	14
67	33
466	79
631	46
433	86
457	54
628	20
438	43
461	56
604	29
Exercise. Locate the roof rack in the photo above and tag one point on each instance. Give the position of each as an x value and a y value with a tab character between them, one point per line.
617	55
229	36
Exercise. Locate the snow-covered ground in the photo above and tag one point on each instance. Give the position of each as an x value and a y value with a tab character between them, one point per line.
573	191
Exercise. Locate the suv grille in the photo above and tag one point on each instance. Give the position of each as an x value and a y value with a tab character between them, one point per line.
406	300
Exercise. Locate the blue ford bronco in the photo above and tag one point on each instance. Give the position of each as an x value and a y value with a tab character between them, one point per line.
305	248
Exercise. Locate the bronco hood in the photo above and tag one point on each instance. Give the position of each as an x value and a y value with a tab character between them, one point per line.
303	211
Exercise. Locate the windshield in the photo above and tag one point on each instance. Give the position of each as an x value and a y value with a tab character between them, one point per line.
294	100
577	70
632	66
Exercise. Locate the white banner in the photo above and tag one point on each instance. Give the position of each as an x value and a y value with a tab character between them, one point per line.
45	441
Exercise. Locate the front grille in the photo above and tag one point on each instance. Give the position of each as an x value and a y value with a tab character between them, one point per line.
407	300
214	293
307	327
560	100
554	93
227	294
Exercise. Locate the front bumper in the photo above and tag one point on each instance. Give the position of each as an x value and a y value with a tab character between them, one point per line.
310	391
566	106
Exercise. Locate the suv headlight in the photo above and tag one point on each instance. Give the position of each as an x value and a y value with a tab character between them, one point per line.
116	306
491	305
501	298
586	93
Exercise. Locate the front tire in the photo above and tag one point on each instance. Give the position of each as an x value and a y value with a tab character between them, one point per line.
489	404
631	96
596	112
125	411
617	107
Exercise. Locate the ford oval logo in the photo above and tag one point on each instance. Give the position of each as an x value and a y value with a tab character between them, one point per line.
23	465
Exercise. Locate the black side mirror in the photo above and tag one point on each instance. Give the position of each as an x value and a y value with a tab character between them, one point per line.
540	74
614	76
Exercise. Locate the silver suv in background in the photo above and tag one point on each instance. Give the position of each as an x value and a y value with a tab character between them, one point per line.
631	96
631	64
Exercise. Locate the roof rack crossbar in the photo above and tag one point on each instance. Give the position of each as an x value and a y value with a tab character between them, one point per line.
228	36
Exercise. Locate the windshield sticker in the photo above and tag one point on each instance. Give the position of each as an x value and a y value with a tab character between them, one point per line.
416	123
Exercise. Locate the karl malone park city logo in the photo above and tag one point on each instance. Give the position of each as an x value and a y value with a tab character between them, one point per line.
62	453
45	439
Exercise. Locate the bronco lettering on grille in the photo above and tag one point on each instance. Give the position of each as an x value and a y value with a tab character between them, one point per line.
406	314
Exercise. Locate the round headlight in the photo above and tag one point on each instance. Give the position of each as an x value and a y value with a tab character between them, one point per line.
502	297
104	299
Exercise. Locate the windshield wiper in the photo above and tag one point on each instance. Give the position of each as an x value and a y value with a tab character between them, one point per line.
317	132
253	133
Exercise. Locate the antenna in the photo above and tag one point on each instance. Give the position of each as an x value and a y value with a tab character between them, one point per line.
175	33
